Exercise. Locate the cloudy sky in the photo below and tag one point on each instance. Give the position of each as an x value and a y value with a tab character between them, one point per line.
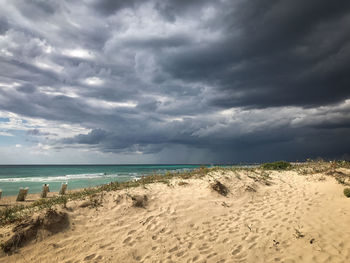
185	81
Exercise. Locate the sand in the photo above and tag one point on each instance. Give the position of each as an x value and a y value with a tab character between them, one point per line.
297	218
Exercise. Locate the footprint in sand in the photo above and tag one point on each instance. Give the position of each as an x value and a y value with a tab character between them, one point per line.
89	257
173	249
147	220
236	250
213	238
212	255
131	232
180	254
225	240
195	258
204	252
252	246
126	240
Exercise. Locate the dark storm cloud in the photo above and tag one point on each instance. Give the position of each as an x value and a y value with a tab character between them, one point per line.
108	7
274	53
37	9
234	80
37	132
3	25
167	8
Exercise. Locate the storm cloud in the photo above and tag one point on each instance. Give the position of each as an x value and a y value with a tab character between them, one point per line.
177	81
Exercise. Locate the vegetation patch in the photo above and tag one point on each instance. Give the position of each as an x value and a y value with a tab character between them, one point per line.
220	188
347	192
280	165
139	200
51	223
341	178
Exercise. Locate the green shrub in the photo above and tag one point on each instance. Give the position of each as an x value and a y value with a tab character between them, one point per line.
280	165
347	192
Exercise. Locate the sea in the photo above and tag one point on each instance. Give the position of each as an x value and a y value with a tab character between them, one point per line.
12	177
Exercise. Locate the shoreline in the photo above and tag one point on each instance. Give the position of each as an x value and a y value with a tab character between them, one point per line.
12	178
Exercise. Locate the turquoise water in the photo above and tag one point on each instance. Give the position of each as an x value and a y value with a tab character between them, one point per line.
78	176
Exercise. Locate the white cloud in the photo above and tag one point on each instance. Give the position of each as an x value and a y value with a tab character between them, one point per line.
47	65
78	53
93	81
2	133
65	91
110	104
52	129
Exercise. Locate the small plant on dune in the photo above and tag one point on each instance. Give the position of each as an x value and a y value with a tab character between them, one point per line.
298	234
264	178
343	164
96	201
321	178
280	165
237	175
340	178
250	188
347	192
139	200
203	170
220	188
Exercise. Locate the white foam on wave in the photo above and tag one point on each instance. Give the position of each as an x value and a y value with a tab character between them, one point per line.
131	175
59	178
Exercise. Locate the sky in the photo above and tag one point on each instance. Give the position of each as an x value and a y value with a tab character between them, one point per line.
185	81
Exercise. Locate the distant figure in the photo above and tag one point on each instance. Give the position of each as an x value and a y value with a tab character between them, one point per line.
63	189
0	193
45	190
22	194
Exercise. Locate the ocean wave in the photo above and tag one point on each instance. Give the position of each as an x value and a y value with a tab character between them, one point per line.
86	176
66	177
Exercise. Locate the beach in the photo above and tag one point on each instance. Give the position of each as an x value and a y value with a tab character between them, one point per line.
225	215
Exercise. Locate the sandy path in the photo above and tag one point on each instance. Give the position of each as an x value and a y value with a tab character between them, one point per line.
296	219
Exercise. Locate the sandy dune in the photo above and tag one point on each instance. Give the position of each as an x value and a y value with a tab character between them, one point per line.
294	219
